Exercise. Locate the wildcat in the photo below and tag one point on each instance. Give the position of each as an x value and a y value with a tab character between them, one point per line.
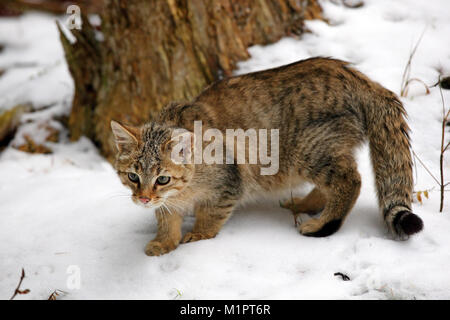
323	109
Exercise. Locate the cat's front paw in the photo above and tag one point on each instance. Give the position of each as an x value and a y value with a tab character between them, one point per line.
195	236
156	248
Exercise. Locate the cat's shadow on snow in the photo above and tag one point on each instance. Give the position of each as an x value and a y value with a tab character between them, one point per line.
257	217
362	219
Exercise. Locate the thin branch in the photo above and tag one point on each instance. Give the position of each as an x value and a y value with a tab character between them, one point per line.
407	71
443	148
409	81
18	291
446	147
426	168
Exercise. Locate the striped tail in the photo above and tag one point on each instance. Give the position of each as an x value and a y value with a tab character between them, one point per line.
391	159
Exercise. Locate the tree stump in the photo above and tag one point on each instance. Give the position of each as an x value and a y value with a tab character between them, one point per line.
152	52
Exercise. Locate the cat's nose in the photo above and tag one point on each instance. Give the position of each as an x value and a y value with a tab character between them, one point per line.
144	199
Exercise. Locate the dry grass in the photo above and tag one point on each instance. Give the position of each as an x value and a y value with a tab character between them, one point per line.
406	78
31	146
55	294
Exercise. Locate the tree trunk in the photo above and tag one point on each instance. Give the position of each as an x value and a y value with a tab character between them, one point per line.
155	52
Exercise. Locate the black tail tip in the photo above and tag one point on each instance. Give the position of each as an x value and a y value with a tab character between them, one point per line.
408	222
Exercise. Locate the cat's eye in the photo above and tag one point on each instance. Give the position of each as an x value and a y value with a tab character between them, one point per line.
133	177
162	180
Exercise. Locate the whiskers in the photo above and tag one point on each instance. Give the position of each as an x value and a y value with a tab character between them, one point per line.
116	195
177	206
166	208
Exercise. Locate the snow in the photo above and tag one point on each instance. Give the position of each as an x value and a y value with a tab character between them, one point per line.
70	209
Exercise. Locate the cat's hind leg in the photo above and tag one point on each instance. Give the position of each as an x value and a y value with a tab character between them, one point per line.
341	183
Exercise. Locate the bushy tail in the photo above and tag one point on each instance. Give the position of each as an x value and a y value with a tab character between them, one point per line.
391	158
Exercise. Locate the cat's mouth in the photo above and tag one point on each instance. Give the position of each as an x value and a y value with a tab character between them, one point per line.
150	204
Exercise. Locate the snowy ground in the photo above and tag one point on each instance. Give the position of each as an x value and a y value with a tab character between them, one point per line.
69	208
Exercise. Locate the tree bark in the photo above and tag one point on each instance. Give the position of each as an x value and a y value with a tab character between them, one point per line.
155	52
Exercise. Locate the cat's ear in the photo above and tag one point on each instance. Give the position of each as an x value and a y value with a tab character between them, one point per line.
180	147
126	138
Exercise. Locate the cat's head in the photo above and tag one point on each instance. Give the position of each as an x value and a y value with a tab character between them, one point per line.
145	162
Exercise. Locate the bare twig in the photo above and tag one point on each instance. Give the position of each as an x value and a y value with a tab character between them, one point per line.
445	116
426	168
18	291
409	81
406	73
444	147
